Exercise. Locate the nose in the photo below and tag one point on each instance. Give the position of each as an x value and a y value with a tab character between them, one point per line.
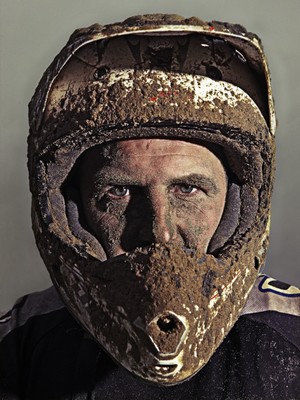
160	227
163	222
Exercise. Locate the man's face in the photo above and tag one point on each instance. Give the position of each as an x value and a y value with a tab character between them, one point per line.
146	191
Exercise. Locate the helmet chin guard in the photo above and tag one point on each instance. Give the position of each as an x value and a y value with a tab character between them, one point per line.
159	311
162	311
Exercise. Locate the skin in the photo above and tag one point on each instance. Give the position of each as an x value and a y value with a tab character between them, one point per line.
145	191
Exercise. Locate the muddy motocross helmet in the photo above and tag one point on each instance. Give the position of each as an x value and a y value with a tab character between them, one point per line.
159	311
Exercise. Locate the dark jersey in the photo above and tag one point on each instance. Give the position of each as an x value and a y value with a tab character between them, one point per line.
45	354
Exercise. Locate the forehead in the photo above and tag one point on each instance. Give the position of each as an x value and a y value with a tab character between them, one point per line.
156	157
135	148
160	148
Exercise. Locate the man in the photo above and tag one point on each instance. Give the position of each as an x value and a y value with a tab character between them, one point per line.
151	159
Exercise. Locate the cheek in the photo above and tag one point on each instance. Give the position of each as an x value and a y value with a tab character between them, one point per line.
199	221
107	221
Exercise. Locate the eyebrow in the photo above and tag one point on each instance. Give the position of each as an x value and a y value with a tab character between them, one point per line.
111	178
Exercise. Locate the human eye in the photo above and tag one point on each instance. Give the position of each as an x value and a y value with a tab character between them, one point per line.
118	191
185	189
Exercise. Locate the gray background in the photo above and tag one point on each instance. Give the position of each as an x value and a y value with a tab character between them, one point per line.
32	33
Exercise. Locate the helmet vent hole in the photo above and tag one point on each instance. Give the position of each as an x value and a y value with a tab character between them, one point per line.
256	263
213	72
101	72
166	323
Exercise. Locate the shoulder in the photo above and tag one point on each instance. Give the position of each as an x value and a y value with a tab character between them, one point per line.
32	334
275	305
34	319
32	306
265	344
269	294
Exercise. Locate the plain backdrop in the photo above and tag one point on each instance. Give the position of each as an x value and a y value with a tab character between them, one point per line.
32	33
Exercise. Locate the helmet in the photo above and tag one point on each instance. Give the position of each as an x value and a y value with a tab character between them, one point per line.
159	311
